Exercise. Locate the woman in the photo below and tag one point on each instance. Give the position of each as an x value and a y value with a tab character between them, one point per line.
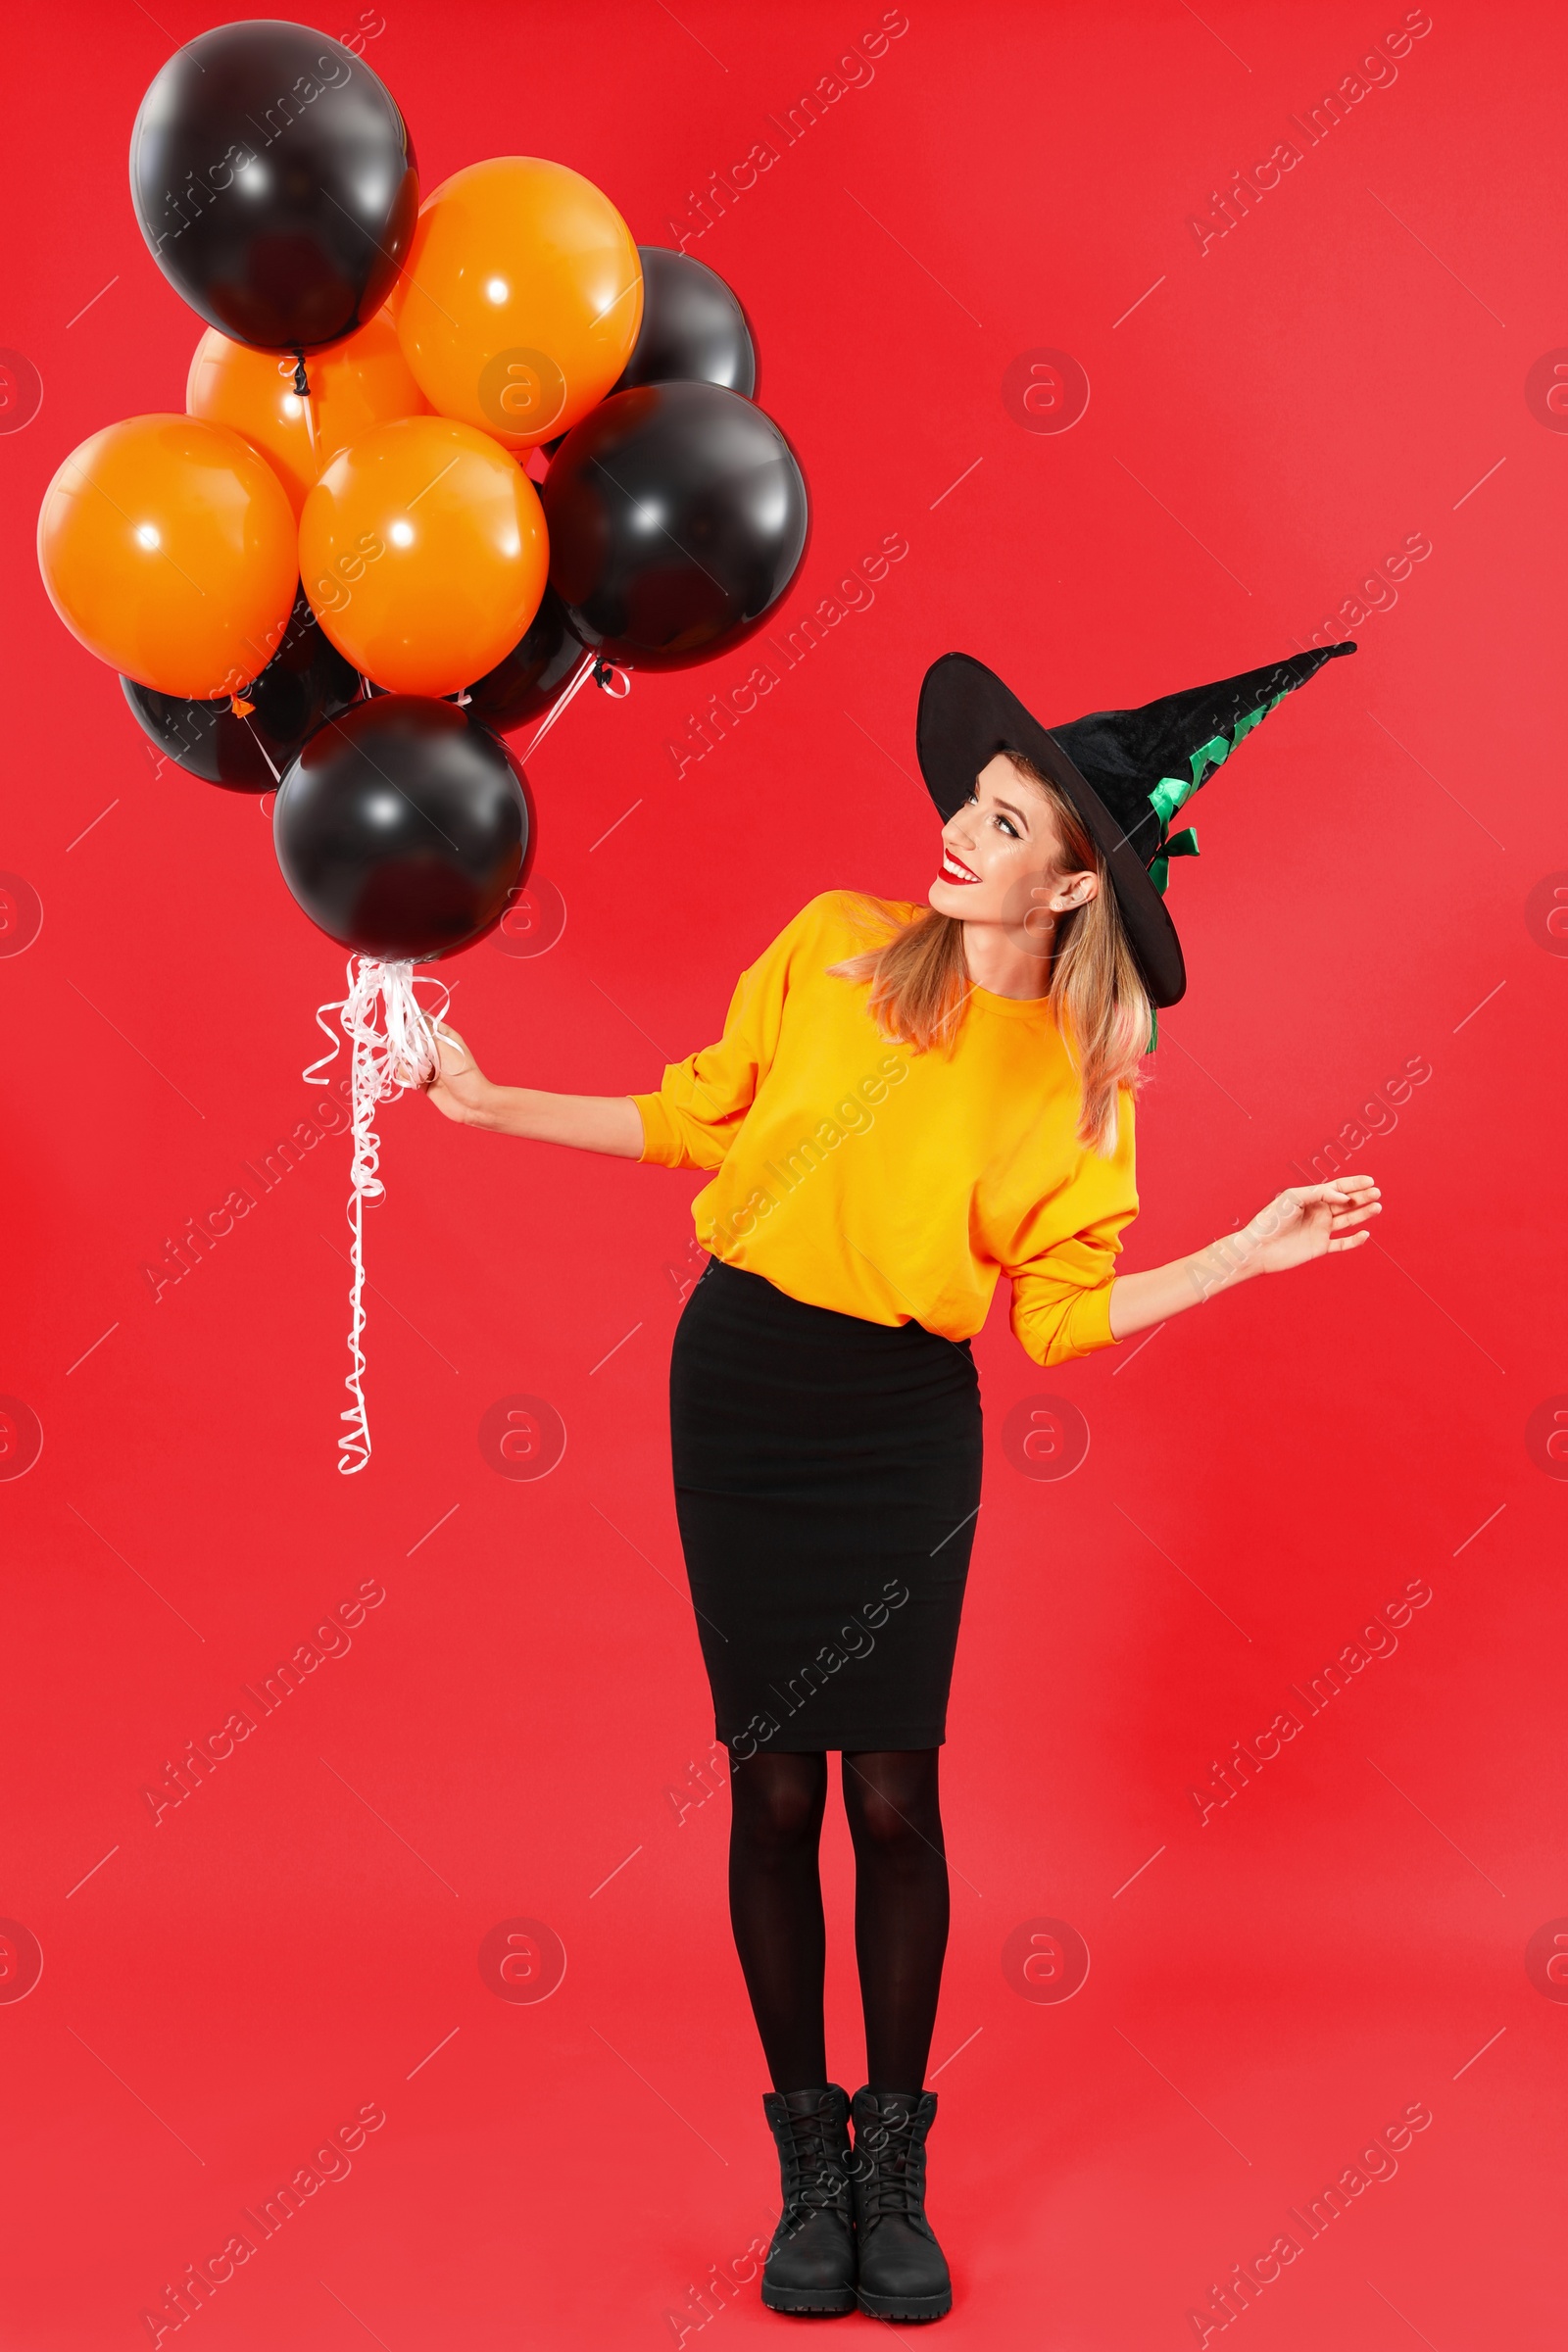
905	1102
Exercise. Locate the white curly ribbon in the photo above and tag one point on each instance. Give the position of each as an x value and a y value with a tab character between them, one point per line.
392	1047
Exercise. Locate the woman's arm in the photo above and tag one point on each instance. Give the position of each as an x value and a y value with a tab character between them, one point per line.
586	1122
693	1117
1310	1221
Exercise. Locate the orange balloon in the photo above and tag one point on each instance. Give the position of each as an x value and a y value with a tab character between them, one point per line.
521	299
424	554
167	546
354	386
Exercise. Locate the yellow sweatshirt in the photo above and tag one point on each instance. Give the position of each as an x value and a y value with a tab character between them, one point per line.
887	1184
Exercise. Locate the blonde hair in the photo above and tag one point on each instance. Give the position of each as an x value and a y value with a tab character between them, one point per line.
920	979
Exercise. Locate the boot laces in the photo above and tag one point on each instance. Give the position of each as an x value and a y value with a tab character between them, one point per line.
817	2178
890	2165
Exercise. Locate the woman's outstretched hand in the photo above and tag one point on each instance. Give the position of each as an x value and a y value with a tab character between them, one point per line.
1310	1220
461	1091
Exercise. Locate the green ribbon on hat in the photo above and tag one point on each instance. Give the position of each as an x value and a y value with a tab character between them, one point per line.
1178	845
1172	792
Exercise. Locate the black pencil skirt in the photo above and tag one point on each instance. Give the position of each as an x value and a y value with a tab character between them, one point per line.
827	1478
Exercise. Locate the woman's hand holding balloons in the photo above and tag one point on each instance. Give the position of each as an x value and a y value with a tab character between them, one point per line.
461	1092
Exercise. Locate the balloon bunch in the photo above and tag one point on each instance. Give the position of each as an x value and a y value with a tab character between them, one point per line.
439	465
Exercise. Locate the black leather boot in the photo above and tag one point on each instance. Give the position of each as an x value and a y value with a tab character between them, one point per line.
811	2263
904	2272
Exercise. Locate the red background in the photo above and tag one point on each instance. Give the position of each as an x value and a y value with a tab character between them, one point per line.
221	1989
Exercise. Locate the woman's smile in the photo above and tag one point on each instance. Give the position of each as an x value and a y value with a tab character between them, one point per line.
999	842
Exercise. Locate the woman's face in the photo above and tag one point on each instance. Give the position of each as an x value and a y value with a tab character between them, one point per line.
1000	859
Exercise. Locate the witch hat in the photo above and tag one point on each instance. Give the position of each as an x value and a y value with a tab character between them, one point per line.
1126	772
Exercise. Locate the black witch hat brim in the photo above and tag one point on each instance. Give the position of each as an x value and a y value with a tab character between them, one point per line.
967	715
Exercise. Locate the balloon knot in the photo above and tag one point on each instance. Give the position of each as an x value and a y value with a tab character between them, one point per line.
301	380
609	679
239	707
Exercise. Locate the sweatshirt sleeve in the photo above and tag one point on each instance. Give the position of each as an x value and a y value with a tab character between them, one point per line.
1065	1260
696	1112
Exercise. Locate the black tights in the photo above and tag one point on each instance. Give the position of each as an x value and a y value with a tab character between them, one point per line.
901	1907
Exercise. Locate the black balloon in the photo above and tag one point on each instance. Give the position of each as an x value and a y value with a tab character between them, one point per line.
404	828
275	182
693	330
306	681
527	681
524	682
677	515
